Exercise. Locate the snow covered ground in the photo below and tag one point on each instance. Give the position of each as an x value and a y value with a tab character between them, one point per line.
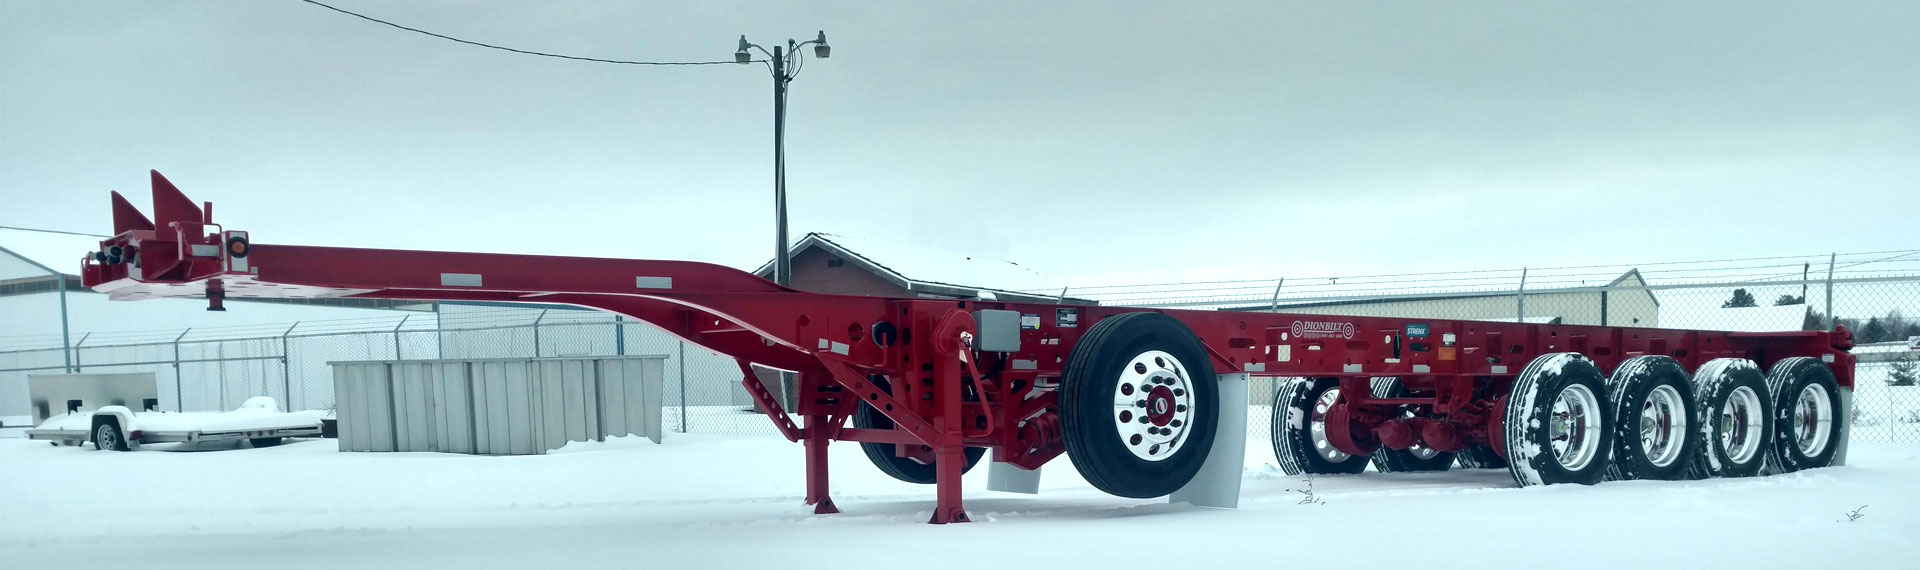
702	501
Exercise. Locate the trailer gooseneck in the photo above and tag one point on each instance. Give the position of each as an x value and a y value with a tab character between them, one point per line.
1132	395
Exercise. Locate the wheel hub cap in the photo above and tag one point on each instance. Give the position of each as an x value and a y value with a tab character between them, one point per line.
1152	405
1663	425
1812	419
1317	427
1740	424
1574	429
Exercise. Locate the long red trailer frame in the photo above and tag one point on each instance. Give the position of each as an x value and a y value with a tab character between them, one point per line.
915	362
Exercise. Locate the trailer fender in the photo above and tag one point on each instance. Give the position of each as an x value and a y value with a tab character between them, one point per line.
121	416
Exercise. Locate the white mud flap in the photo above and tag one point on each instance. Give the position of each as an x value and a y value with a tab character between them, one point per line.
1218	482
1007	477
1846	427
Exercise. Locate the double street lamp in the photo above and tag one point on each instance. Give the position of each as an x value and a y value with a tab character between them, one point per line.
785	64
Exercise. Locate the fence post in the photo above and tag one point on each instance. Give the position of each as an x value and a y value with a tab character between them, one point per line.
536	332
683	386
1603	307
1831	318
1276	295
286	367
179	400
1521	296
76	351
396	337
619	336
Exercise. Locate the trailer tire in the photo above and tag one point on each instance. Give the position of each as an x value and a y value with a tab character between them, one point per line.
1157	445
1294	442
108	435
882	455
1417	458
1480	457
1735	419
1649	395
265	441
1558	397
1806	410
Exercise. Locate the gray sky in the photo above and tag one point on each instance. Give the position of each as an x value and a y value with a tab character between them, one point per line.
1104	142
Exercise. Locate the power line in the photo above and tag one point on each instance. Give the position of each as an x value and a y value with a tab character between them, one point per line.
504	48
53	231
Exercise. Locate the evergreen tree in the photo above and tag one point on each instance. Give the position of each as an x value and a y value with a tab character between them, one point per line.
1873	332
1905	372
1790	300
1741	298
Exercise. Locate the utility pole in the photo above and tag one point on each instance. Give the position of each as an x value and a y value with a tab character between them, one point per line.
786	62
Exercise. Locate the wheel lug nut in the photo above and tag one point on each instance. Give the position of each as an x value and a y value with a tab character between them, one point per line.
1139	403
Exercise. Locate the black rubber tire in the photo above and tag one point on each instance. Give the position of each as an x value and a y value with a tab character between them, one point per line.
1713	385
1529	443
107	435
265	441
1480	457
1628	389
882	454
1087	391
1293	444
1402	460
1787	378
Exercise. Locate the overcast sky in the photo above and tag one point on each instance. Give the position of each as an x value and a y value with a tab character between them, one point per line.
1103	142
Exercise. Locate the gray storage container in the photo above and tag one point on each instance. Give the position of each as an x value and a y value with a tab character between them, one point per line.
495	406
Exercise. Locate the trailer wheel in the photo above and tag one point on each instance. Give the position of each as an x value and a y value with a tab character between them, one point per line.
1300	429
1557	429
106	435
265	441
882	455
1806	410
1653	407
1138	405
1735	419
1480	457
1416	458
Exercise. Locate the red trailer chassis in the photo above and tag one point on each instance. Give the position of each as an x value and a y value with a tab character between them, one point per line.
916	363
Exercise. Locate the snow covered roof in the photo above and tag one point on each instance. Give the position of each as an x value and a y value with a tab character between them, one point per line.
1741	319
927	268
59	252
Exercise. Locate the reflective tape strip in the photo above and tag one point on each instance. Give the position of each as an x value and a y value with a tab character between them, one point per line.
459	280
653	282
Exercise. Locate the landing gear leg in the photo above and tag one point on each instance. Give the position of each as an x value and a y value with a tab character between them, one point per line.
816	430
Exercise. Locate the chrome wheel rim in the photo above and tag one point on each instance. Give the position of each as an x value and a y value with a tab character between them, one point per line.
1317	428
105	438
1663	425
1740	425
1574	429
1153	405
1812	420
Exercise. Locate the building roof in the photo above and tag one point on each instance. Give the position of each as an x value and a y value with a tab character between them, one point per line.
59	252
1739	319
1629	279
932	270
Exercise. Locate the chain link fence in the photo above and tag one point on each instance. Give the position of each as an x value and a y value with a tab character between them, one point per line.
218	369
1870	293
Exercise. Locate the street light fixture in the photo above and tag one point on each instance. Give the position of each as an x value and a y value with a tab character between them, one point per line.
785	65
